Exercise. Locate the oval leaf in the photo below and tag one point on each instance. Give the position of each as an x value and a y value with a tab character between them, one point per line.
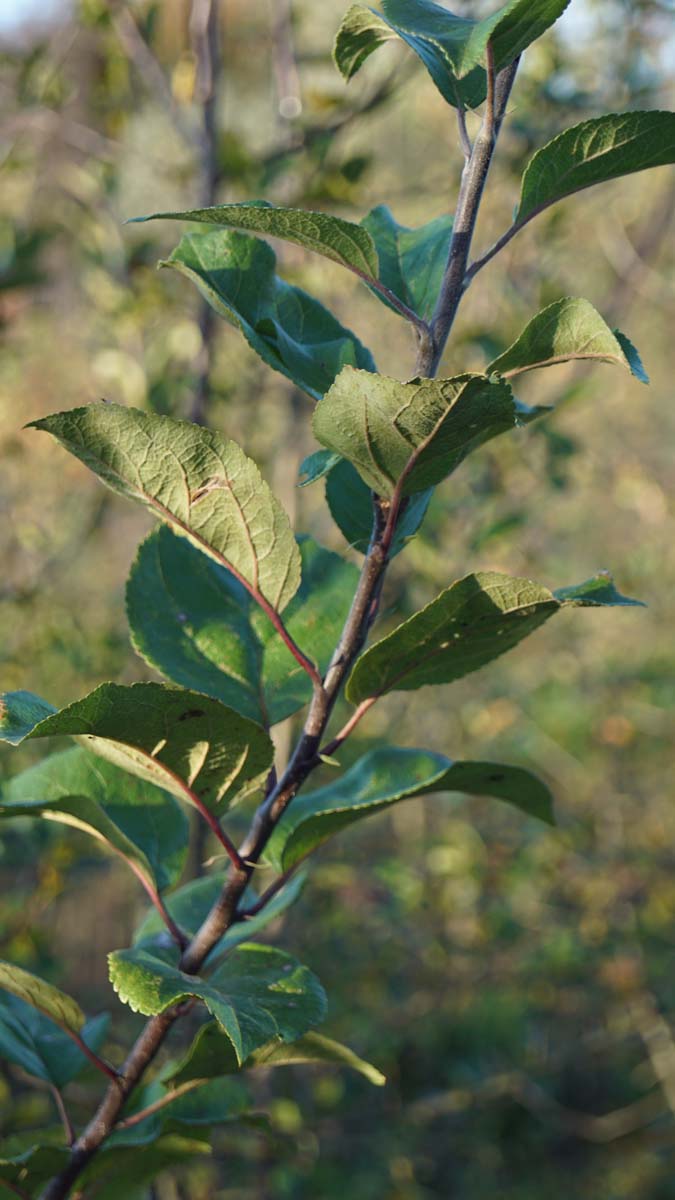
134	819
34	1043
194	480
474	621
383	777
46	998
290	330
341	241
423	429
182	741
258	994
593	152
193	622
567	330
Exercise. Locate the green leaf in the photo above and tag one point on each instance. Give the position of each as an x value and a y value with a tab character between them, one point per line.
193	622
134	819
32	1041
451	48
341	241
412	261
290	330
568	329
19	712
256	995
212	1103
316	466
182	741
46	998
423	429
194	480
382	778
350	501
472	622
210	1055
124	1171
598	592
191	904
597	150
33	1168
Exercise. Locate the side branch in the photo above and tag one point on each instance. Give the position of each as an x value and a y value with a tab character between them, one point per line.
474	177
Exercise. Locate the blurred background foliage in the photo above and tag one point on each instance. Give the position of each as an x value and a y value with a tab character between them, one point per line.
515	983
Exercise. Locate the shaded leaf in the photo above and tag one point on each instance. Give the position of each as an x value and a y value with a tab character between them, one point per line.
193	479
350	501
451	48
290	330
423	429
124	1172
182	741
193	622
32	1041
19	713
336	239
135	819
191	904
33	1167
213	1103
474	621
412	261
382	778
316	466
568	329
211	1055
597	592
595	151
257	994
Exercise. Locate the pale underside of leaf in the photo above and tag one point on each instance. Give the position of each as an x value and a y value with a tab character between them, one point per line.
193	479
418	431
341	241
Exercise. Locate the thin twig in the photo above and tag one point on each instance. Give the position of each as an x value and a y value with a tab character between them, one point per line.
153	895
348	728
204	31
100	1063
158	1105
464	138
270	892
149	69
63	1114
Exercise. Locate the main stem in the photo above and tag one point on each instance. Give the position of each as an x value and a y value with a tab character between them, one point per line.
305	757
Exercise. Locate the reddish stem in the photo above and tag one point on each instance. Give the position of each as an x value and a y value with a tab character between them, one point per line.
99	1063
177	934
137	1117
344	733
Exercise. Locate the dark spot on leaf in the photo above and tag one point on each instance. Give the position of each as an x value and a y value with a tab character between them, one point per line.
495	778
191	712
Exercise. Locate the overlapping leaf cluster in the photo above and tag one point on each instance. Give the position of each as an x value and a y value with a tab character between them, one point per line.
242	617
